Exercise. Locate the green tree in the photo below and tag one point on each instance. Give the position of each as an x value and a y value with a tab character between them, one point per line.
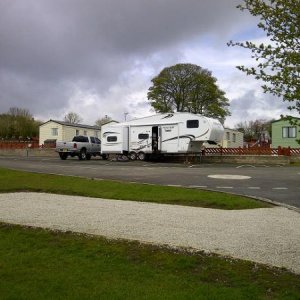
5	126
278	62
73	118
188	87
18	123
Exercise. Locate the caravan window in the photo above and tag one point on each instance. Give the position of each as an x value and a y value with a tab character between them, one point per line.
112	138
192	123
143	136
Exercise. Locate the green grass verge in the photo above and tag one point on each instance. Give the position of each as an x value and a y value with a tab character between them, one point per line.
12	181
40	264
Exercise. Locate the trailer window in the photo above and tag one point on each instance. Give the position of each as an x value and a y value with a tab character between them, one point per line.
111	138
143	136
192	123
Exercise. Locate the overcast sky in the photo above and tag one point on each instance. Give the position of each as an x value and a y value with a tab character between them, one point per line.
97	57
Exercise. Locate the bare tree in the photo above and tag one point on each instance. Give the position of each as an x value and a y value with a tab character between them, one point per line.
103	121
19	112
253	129
73	118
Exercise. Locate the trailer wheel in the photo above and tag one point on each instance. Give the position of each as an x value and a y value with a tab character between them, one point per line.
141	156
132	155
104	156
63	156
82	154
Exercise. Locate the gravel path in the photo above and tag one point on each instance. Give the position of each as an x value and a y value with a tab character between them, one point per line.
268	235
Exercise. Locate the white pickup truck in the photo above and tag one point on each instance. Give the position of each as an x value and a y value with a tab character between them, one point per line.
82	146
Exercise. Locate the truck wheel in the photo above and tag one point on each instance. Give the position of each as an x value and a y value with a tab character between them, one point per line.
82	154
141	156
88	156
63	156
132	155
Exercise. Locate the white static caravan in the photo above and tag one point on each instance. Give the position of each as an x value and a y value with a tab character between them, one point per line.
168	133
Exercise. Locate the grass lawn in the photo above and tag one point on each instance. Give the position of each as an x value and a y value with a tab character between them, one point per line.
40	264
12	181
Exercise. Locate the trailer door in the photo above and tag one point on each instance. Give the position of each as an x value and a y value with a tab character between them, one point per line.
156	139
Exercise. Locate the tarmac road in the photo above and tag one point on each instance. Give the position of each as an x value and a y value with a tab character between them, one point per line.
277	183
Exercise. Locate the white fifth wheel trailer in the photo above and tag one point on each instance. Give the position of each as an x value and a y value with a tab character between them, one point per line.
169	133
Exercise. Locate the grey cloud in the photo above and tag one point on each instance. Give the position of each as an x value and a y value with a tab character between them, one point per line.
254	106
37	96
47	44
